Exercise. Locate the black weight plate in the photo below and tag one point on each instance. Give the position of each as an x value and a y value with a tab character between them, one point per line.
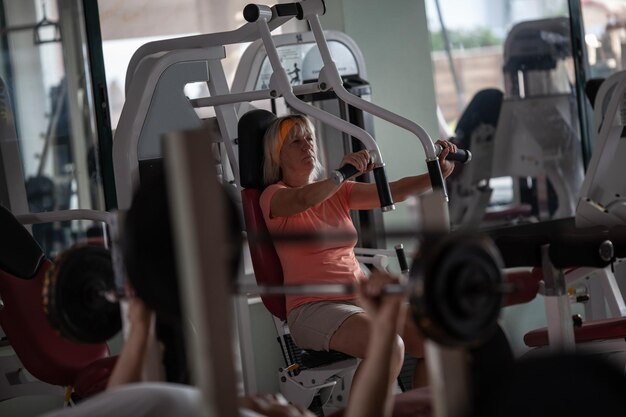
458	296
73	296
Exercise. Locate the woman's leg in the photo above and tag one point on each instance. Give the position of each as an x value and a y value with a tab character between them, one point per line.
415	347
352	337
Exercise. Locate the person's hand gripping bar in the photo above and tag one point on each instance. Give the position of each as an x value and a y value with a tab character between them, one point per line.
349	170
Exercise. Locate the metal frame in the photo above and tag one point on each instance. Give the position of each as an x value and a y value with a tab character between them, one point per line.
100	96
603	193
197	212
148	72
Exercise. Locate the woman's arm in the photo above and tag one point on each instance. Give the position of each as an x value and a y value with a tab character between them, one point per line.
364	196
289	201
129	365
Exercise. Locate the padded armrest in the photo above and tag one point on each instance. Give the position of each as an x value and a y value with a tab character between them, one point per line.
590	331
525	286
20	255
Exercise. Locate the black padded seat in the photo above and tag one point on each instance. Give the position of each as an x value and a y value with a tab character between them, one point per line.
20	255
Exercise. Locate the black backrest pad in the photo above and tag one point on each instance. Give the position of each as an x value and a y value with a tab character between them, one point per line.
20	255
483	109
251	129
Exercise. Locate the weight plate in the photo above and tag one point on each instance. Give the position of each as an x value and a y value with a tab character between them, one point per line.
458	289
73	295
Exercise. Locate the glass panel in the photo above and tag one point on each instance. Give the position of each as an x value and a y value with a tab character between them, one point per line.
46	75
506	86
605	36
125	28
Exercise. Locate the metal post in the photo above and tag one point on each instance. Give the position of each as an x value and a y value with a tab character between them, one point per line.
198	211
558	312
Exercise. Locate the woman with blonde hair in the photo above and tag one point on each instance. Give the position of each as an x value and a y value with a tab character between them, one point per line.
295	201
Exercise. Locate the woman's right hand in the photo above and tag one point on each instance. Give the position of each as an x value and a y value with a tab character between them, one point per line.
360	160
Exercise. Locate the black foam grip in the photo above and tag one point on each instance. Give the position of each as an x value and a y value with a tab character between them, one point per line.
251	13
436	177
382	186
404	265
461	155
289	9
348	170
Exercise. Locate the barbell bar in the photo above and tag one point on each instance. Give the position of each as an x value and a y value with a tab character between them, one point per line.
114	296
454	288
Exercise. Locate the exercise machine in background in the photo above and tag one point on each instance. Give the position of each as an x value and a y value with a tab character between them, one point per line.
530	134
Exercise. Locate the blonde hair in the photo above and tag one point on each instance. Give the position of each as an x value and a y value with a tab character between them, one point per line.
273	141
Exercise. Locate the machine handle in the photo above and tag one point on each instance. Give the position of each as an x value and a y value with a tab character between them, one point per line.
382	185
404	265
343	173
461	155
384	192
253	12
289	9
348	170
436	177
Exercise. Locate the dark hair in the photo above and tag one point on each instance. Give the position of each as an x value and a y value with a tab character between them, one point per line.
148	246
148	249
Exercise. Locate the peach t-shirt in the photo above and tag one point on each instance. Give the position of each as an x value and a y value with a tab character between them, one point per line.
327	261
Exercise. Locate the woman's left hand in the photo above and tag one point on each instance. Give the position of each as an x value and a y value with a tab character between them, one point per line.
446	166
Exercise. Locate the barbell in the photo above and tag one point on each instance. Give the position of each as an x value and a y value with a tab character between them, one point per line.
455	290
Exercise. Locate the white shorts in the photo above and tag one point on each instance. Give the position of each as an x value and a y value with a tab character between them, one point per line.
312	325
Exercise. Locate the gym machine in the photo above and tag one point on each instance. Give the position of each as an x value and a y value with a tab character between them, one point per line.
155	104
595	237
531	132
299	50
470	275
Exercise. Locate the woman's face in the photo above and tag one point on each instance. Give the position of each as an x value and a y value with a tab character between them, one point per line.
298	153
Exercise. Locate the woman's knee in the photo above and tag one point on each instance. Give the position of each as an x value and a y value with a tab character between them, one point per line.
397	351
